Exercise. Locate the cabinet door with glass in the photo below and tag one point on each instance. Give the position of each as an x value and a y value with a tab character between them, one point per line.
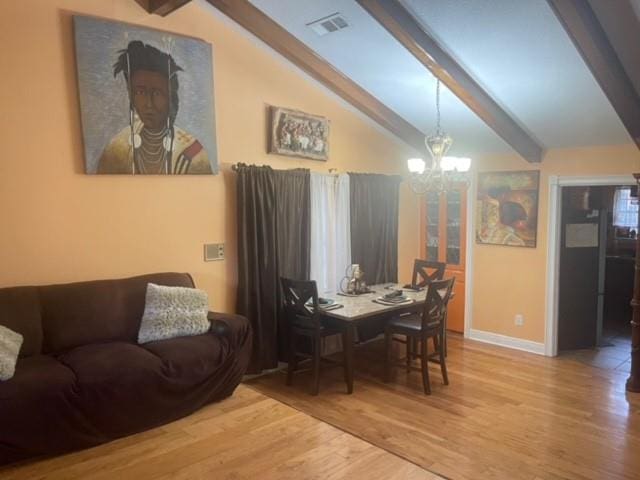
443	239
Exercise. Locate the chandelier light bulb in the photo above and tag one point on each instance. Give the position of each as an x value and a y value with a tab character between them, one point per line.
438	144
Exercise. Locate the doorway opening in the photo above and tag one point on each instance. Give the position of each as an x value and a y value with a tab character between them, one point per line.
598	229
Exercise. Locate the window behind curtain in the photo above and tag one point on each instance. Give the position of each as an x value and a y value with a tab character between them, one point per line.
625	209
330	231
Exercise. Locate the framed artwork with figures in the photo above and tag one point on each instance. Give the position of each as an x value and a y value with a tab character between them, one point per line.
507	208
299	134
146	100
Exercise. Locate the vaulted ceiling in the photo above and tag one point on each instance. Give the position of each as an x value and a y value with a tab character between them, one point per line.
545	83
517	51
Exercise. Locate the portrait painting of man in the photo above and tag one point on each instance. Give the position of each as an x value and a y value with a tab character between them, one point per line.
146	100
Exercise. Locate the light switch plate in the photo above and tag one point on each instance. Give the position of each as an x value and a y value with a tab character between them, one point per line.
213	252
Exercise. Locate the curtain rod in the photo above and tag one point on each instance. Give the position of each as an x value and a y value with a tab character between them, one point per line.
236	166
332	170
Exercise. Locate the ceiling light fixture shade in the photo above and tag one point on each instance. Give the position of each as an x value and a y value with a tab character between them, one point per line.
443	171
416	165
455	164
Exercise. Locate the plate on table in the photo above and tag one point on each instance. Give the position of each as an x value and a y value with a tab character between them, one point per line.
324	304
395	300
398	299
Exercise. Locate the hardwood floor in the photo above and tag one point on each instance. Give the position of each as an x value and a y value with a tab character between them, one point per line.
247	436
505	415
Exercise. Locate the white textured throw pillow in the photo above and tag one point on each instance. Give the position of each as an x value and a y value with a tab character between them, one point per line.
171	312
10	343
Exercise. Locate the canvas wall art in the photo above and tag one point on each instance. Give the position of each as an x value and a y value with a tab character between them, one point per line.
146	100
299	134
507	208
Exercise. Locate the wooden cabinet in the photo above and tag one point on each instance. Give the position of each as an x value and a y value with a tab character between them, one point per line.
443	239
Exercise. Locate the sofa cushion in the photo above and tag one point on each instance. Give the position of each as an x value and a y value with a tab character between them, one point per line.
111	365
118	385
101	311
36	378
36	411
10	343
20	312
190	358
171	312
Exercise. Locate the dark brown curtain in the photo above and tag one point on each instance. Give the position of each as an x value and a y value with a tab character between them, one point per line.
273	241
293	204
374	225
293	233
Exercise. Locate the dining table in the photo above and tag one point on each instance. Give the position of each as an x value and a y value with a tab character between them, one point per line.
362	308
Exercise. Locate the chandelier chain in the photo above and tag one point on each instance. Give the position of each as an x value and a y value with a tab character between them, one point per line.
438	129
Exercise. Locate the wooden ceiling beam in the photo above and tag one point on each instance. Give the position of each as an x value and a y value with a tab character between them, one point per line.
592	41
400	23
622	26
263	27
162	7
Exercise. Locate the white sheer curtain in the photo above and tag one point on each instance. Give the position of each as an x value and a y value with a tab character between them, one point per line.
330	230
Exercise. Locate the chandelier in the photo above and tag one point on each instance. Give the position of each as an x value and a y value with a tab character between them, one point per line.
443	171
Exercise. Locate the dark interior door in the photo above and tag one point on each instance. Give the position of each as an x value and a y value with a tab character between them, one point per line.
579	269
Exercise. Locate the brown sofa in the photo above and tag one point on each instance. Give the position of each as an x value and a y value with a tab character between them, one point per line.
82	379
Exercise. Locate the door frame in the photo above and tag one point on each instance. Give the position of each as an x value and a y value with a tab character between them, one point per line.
472	193
556	183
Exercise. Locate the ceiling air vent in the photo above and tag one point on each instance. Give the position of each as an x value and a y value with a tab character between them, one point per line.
329	24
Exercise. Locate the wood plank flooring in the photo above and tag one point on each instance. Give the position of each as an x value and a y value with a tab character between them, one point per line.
247	436
505	415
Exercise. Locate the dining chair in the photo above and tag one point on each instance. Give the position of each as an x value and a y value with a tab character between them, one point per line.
426	271
303	318
420	327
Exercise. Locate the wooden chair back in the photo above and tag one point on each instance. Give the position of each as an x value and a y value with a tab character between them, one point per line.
425	272
435	306
300	303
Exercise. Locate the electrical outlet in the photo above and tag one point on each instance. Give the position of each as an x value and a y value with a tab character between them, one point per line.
519	320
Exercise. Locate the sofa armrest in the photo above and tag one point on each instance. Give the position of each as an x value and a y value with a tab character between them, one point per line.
234	327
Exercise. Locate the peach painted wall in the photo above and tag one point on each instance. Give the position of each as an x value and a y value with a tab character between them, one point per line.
60	225
510	280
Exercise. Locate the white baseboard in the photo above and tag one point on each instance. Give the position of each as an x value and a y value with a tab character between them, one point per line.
505	341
